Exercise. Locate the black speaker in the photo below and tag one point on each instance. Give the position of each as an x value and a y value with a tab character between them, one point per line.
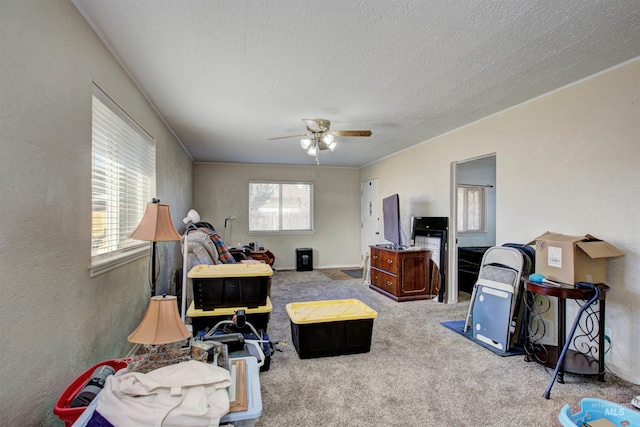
304	259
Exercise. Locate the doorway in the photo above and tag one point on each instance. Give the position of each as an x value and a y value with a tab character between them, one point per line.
475	178
370	217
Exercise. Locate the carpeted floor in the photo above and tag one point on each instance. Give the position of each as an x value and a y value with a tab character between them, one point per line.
418	373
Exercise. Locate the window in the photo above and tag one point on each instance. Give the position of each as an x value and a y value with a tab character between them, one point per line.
122	182
471	209
280	206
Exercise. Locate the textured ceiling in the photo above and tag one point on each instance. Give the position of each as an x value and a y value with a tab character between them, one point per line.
228	75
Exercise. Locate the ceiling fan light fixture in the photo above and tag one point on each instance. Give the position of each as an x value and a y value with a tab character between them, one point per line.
328	139
320	138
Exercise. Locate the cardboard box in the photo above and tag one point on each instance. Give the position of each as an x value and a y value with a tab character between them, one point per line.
572	259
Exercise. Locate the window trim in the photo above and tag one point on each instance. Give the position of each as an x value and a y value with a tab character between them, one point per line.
117	260
280	231
101	263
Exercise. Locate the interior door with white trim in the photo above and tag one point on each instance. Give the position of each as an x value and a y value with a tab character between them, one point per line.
370	217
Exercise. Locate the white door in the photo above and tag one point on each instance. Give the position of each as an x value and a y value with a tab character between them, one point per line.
370	214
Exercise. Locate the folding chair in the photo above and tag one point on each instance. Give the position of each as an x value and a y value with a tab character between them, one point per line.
494	298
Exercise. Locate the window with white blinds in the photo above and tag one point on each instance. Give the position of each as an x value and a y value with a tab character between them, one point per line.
280	206
122	182
472	209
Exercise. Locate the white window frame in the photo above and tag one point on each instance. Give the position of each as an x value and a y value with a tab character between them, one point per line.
123	180
280	184
465	211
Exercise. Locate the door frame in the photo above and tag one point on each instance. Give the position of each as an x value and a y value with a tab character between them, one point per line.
452	290
365	240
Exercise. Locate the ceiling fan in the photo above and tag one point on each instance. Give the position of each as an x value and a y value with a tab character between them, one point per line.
320	137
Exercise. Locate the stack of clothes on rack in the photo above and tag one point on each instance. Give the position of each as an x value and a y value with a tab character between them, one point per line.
205	246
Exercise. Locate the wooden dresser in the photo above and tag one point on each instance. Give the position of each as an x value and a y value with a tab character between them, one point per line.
264	255
402	275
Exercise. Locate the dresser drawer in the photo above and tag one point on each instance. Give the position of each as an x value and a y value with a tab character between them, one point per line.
385	281
402	275
385	260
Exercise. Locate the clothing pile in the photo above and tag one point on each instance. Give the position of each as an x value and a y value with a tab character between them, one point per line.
185	394
205	246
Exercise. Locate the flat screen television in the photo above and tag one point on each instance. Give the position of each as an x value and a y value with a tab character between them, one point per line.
391	220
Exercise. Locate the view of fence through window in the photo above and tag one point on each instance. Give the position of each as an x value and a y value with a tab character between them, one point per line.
280	206
122	178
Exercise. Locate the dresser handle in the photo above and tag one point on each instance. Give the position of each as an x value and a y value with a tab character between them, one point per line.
389	283
390	261
375	257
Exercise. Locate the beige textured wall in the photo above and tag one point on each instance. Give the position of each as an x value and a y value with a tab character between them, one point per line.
222	190
568	162
56	320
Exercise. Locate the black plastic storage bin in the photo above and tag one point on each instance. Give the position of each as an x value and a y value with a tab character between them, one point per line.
331	328
332	338
210	294
258	321
207	319
230	285
304	259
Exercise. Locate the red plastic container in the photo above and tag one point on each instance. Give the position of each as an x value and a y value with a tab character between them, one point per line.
62	407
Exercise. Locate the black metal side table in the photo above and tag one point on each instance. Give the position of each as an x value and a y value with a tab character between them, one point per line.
585	354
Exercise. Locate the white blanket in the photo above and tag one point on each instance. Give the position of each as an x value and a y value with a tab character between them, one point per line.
185	394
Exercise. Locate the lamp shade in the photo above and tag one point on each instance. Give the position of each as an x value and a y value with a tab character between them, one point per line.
161	324
156	225
192	216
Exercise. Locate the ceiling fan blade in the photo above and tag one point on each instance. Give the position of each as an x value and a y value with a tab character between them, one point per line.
317	125
284	137
351	132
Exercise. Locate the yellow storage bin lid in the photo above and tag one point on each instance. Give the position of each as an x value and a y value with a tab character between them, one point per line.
329	311
203	271
229	311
